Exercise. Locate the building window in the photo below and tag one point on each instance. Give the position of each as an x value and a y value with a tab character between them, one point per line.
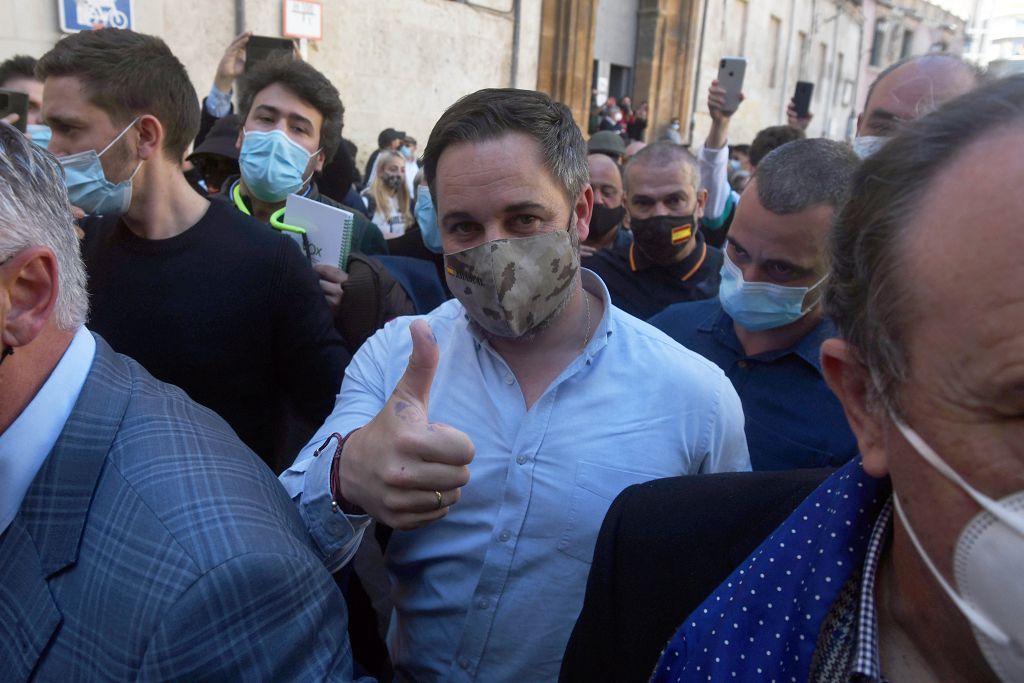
838	79
742	12
878	43
776	46
822	70
801	65
908	44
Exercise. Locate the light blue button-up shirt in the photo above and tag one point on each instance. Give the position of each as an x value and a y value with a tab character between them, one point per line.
25	444
491	591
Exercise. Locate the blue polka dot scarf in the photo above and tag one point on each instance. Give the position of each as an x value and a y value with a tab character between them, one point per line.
762	623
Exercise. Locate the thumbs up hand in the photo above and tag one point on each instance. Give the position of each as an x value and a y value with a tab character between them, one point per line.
400	468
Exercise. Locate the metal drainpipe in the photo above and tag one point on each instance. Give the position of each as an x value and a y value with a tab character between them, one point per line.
834	85
854	110
783	99
239	17
516	13
696	76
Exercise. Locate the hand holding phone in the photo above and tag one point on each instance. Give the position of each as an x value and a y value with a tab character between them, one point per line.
731	71
259	48
14	108
802	99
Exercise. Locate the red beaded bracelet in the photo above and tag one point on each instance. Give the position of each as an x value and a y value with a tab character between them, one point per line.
335	462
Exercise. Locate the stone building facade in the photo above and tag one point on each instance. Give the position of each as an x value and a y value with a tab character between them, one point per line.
400	63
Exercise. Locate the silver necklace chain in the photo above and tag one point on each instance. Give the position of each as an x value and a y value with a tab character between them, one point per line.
586	332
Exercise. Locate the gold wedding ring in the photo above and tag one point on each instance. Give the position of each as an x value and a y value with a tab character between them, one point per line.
440	499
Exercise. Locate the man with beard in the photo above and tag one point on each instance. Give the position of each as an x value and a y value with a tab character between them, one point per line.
496	430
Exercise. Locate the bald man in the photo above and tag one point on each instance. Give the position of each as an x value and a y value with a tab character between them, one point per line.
667	261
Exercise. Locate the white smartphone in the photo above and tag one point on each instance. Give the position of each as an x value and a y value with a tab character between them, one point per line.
730	77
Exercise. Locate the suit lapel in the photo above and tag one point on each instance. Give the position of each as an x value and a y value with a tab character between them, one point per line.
57	504
28	615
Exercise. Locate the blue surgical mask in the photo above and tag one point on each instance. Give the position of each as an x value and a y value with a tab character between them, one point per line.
406	152
757	306
273	165
426	218
88	187
867	145
39	133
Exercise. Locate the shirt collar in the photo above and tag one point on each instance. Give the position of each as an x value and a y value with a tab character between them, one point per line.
683	270
25	444
720	324
866	661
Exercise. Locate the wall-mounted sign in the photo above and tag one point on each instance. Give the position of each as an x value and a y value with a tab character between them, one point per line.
303	19
86	15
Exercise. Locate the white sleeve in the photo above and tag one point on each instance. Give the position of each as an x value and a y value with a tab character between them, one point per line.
218	104
713	165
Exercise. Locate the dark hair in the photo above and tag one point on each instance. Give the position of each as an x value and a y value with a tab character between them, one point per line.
128	74
18	66
306	83
866	296
805	173
742	149
770	138
492	113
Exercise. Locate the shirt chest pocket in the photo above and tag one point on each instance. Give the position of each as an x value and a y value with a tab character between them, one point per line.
595	488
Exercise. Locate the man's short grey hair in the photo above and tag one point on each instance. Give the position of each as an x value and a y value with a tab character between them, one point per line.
805	173
867	295
664	154
35	212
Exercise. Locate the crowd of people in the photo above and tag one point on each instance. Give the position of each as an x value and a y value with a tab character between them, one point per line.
568	409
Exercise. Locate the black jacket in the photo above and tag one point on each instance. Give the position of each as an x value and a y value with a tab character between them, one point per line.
663	548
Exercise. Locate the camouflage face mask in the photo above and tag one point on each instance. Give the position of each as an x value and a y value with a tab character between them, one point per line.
511	287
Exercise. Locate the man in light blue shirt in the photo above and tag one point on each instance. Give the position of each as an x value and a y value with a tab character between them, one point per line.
495	431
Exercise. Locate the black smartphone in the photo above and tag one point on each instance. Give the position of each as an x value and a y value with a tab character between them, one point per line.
802	98
14	102
261	47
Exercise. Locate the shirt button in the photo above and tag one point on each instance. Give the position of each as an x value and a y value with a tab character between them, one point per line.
505	535
742	363
483	603
509	379
522	459
464	663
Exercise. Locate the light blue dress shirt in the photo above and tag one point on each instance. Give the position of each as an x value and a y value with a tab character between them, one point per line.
491	591
30	438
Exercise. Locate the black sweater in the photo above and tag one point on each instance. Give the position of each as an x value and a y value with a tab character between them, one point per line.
229	310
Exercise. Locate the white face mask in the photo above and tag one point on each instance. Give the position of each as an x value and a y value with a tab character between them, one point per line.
867	145
987	562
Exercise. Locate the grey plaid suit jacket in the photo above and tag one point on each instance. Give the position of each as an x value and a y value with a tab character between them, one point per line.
153	545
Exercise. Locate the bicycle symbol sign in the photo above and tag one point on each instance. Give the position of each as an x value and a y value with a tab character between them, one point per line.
85	15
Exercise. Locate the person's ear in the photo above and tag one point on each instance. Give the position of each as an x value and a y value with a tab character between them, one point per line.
583	209
28	283
240	139
321	159
850	380
702	202
151	136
